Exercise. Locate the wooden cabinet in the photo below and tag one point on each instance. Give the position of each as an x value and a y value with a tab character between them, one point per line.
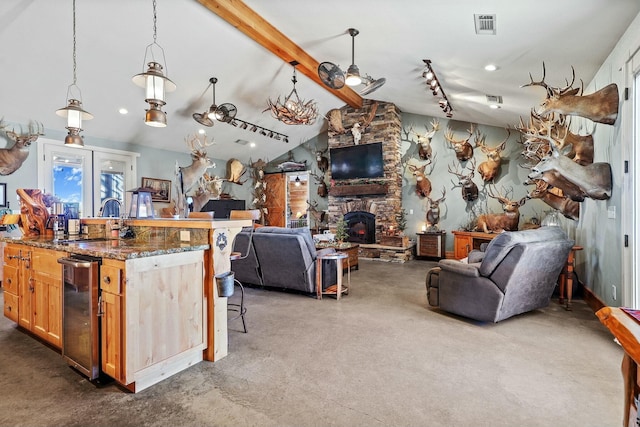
112	332
276	203
153	318
33	281
431	244
465	241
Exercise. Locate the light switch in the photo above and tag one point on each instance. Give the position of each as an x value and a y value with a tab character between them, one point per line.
611	212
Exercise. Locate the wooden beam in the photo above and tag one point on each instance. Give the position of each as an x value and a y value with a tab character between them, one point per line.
243	18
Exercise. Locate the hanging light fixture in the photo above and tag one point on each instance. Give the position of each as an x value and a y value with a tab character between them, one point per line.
431	80
154	82
293	111
224	113
353	73
73	111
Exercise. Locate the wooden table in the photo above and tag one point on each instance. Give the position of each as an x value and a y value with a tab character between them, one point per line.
431	244
351	249
336	289
627	330
566	277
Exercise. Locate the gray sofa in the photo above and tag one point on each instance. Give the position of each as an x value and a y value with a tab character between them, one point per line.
516	273
283	258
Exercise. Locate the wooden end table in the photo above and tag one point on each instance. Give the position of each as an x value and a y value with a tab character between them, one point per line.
336	289
351	249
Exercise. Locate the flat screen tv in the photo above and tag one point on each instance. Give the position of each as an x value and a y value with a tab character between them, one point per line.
357	161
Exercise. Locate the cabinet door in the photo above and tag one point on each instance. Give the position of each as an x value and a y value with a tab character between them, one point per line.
112	318
275	191
11	306
462	246
111	335
47	308
25	290
10	279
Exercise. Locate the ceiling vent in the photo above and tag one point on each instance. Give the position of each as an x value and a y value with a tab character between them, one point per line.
494	99
485	24
242	141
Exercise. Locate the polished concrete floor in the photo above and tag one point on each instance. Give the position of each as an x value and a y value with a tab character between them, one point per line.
378	357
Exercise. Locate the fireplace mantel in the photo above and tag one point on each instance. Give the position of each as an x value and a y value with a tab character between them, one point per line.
358	189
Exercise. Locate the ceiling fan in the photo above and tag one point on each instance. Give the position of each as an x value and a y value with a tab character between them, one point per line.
223	113
331	75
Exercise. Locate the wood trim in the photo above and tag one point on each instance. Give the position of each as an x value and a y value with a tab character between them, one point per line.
592	300
244	19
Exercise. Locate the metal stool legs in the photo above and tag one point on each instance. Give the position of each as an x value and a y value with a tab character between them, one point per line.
239	308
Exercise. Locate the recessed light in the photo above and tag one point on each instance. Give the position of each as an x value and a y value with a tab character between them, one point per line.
202	131
490	67
123	111
252	144
494	106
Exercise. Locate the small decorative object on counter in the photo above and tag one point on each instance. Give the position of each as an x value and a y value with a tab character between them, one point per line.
141	203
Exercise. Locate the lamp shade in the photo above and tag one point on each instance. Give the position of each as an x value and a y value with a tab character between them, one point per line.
154	82
74	114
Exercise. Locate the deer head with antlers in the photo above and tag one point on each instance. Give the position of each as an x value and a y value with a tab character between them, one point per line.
189	176
600	106
489	169
12	158
424	141
506	221
323	191
567	207
433	211
469	188
462	147
423	184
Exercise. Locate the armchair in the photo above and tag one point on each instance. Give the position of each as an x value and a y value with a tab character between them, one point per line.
517	273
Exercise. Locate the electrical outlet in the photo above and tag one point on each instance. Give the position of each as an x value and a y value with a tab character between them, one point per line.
410	211
611	212
185	235
614	292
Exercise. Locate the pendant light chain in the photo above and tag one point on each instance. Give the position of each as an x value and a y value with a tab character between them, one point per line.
155	22
74	43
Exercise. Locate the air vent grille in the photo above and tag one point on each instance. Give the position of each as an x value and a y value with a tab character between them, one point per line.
494	99
485	24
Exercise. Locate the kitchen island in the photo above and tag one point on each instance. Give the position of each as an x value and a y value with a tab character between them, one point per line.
159	309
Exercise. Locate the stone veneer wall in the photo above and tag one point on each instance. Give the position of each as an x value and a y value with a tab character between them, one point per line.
386	128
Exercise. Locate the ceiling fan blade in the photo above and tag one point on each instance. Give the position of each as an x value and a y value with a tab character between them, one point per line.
372	85
203	118
331	75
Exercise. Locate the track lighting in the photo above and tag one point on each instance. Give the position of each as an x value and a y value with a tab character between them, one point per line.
436	89
255	128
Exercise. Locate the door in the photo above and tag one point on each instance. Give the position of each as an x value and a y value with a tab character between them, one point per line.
276	192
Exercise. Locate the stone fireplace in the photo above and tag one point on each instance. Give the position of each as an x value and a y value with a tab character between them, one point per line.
361	226
380	199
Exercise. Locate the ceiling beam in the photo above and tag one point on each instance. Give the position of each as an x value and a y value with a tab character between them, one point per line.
243	18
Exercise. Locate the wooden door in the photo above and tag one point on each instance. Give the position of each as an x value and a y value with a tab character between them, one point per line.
276	203
112	332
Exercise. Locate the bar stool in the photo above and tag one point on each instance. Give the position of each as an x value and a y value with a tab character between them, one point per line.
239	307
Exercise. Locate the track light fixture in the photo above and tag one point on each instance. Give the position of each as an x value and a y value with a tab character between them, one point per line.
436	88
242	124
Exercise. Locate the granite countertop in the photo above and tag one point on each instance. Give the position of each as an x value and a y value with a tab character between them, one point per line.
120	249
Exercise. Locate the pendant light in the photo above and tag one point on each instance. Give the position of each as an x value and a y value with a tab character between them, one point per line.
154	82
353	73
73	111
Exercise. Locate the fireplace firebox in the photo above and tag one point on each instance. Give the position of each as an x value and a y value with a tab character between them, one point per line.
361	226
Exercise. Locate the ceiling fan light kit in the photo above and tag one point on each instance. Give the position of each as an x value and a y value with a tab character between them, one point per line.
293	111
155	82
433	83
332	76
73	111
224	113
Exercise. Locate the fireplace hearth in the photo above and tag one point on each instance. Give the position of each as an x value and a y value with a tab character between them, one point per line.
361	227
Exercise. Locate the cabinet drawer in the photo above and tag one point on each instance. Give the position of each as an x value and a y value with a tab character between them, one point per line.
10	280
11	255
45	261
111	279
11	306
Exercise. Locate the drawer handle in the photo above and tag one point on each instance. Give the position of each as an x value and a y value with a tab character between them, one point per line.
106	280
9	281
8	308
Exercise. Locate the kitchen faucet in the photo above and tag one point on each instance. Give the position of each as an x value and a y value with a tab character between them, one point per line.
108	209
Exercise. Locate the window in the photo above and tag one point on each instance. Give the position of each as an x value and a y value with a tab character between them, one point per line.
72	174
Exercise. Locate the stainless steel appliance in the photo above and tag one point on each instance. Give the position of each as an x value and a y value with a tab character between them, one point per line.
80	315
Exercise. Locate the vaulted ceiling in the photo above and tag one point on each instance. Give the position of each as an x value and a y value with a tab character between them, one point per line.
36	61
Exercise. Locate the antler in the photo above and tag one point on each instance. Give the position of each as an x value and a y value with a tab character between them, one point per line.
502	197
444	192
541	82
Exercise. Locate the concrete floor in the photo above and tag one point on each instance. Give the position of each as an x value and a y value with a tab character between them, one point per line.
378	357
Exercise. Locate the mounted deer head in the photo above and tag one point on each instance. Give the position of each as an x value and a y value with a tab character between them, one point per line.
433	212
319	217
506	221
323	191
569	208
469	188
322	161
462	147
490	167
189	176
12	158
424	141
600	106
423	185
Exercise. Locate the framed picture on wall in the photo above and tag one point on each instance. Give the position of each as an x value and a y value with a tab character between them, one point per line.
161	189
3	195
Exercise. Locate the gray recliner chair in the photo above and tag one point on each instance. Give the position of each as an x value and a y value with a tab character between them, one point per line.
516	273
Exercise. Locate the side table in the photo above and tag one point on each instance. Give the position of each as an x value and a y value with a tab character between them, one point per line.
336	289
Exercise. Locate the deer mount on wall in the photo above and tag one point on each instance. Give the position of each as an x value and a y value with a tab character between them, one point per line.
336	126
508	220
189	177
12	158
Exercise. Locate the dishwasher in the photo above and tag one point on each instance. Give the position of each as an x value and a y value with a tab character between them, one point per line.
80	314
